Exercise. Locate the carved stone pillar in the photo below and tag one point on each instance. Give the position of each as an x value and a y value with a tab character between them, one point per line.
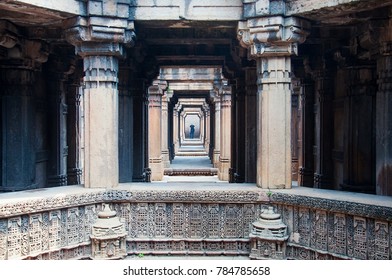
176	125
240	135
58	74
74	92
306	157
359	145
99	41
155	93
384	118
270	41
250	125
138	91
125	125
207	127
217	133
165	131
225	134
18	153
295	93
18	111
323	167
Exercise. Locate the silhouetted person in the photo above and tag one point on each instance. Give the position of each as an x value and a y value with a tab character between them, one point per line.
192	131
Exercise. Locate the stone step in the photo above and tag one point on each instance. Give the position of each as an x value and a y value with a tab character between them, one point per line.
190	171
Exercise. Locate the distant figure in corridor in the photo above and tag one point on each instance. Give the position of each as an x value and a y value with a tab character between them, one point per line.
192	131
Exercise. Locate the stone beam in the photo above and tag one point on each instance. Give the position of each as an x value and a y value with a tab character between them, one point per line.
319	10
187	10
67	6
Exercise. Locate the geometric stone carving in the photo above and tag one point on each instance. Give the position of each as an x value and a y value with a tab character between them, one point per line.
268	236
108	236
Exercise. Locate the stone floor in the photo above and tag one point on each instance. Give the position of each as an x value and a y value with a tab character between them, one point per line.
188	161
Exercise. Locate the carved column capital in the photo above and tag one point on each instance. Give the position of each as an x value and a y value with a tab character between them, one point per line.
272	36
98	35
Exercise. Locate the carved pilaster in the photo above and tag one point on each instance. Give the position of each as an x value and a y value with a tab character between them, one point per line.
165	131
139	121
250	125
270	41
384	117
58	74
225	134
359	145
217	130
306	124
324	129
21	60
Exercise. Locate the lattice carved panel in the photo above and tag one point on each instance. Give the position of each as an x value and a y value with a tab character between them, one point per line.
35	233
382	244
360	238
3	239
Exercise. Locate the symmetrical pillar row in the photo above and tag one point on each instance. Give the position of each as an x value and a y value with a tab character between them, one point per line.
271	41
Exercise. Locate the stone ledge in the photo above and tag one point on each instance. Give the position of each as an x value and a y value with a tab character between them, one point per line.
27	202
34	201
366	205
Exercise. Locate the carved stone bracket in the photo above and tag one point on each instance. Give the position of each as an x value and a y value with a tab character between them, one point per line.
21	52
100	35
8	34
272	36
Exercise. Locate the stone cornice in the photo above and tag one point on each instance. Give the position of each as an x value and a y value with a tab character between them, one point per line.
272	36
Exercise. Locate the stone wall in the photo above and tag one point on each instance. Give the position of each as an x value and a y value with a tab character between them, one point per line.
209	220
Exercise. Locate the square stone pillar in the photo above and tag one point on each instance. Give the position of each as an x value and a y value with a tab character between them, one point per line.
384	120
155	93
176	124
101	121
225	134
99	39
165	131
217	132
18	112
271	40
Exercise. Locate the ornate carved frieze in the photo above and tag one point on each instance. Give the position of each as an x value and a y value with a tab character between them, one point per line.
189	222
272	36
255	8
100	71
